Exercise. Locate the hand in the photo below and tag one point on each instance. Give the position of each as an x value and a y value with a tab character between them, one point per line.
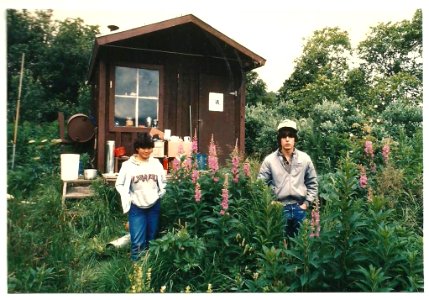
303	206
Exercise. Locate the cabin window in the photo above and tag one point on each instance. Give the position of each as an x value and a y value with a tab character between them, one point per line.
136	102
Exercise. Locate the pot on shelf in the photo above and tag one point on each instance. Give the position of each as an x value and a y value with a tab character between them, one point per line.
90	174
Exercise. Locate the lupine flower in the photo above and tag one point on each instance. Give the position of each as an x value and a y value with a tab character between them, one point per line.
385	152
315	220
235	163
213	159
366	128
225	196
195	176
373	167
370	195
195	143
368	149
363	181
176	164
209	288
197	192
187	164
246	168
315	223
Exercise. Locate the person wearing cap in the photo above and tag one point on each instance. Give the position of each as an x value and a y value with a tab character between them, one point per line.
292	176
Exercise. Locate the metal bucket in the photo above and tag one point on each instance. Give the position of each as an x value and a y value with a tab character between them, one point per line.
80	128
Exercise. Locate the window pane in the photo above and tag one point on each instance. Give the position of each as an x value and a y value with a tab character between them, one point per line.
147	108
148	83
136	96
124	108
125	81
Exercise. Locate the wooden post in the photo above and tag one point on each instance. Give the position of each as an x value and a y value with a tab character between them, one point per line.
18	106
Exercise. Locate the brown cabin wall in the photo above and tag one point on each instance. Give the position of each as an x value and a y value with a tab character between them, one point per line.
180	87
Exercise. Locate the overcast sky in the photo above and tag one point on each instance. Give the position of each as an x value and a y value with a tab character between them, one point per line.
273	29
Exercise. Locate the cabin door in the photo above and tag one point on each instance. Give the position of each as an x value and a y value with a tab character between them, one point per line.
217	115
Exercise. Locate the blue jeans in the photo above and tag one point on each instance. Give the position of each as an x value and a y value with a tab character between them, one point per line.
143	224
294	216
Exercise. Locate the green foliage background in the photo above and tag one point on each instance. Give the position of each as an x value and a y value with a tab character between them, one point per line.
371	237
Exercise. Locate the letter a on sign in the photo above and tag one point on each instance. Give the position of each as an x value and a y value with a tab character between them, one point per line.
215	102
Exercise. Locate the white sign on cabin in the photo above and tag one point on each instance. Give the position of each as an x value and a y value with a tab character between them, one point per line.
215	101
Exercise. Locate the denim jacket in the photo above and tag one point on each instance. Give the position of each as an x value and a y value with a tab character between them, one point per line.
299	185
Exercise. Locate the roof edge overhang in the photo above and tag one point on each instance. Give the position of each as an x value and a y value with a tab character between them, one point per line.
126	34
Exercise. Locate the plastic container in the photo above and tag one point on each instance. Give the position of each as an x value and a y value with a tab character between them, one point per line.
120	151
202	161
165	163
70	166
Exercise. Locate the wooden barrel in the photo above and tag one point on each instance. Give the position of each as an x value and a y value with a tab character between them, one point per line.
80	128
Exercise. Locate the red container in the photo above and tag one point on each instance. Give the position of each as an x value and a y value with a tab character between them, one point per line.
165	163
120	151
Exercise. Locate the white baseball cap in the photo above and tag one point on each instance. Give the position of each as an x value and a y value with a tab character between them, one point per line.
287	123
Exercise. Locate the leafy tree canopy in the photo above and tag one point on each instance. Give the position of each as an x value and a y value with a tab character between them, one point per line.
256	90
56	63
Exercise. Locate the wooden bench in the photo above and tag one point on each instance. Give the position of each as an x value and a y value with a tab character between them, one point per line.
77	189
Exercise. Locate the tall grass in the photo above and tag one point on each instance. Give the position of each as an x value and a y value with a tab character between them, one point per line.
370	238
56	250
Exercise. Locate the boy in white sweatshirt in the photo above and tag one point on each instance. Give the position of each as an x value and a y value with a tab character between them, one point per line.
141	184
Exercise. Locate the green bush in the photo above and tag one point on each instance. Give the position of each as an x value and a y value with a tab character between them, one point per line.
370	238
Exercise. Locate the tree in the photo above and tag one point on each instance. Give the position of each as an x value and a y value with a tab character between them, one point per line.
56	58
320	71
393	62
26	33
256	90
391	48
69	52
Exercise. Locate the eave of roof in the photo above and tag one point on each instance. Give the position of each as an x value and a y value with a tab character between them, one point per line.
140	31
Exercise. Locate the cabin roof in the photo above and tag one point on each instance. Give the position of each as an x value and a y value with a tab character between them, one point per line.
185	35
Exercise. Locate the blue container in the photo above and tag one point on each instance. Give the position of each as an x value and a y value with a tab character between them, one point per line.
202	161
80	167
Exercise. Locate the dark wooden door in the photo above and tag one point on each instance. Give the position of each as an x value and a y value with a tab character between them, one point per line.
217	115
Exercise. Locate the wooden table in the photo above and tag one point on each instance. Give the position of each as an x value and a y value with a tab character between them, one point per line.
110	178
77	189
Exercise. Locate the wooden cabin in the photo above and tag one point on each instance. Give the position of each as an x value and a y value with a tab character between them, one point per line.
180	74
